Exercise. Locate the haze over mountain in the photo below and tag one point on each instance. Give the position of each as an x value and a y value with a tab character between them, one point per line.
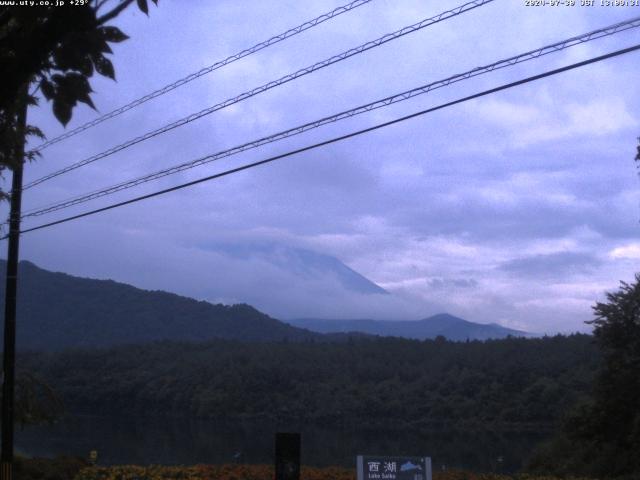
284	281
57	310
449	326
306	264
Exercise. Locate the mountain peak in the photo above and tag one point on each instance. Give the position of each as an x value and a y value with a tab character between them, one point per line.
302	264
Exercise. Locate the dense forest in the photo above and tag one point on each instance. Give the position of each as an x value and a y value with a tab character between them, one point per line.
601	437
389	382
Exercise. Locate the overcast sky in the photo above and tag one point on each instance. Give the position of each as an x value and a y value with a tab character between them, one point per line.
520	208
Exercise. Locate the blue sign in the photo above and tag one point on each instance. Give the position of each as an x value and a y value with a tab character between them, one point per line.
382	467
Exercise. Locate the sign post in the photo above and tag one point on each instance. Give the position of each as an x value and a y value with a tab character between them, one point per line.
383	467
287	456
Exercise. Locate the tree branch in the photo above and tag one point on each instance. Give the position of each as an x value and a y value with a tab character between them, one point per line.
99	4
114	13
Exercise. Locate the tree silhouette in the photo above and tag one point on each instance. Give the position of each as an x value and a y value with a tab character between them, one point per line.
602	437
36	402
57	50
615	415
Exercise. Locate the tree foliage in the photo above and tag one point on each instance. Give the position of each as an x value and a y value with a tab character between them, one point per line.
57	50
513	383
35	401
602	437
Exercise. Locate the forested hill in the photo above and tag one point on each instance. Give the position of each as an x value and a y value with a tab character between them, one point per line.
512	383
57	311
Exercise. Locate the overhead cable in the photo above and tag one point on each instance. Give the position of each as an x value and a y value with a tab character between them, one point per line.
399	97
204	71
267	86
335	139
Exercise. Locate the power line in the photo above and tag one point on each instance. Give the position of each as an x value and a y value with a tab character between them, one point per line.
337	139
558	46
178	83
268	86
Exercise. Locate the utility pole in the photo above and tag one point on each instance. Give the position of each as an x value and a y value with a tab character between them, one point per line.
9	357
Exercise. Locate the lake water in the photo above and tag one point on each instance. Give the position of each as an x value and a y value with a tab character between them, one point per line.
182	441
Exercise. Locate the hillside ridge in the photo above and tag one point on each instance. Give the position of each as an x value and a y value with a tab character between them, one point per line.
57	311
442	324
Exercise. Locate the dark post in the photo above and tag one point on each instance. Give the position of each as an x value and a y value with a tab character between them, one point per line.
287	456
9	357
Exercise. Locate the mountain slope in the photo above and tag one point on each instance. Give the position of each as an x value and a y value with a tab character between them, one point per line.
56	311
302	265
281	280
450	327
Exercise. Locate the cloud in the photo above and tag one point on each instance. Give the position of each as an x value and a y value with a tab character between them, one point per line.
521	208
452	283
629	251
554	265
546	118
